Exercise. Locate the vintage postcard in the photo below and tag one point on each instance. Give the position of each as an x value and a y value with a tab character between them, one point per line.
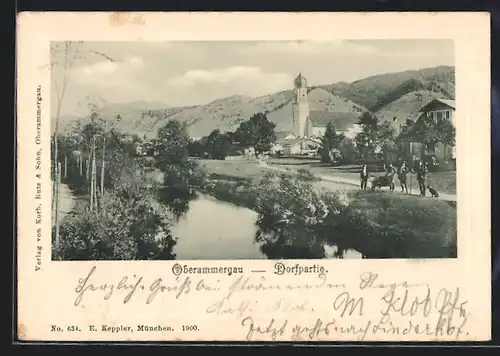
253	177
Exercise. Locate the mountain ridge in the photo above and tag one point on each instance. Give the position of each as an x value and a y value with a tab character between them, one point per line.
387	95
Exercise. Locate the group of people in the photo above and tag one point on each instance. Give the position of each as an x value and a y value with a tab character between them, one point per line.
419	168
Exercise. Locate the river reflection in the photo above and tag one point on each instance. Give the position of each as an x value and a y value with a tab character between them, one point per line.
213	229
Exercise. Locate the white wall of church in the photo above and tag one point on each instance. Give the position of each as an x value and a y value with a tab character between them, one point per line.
300	114
353	131
318	131
350	133
300	107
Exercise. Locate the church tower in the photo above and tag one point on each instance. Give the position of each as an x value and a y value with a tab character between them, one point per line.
300	107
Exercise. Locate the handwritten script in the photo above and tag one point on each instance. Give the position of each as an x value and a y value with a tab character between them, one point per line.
265	310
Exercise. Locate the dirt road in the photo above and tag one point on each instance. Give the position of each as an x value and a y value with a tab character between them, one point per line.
67	202
342	183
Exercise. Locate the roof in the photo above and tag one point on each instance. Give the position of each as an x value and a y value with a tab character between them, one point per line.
300	81
342	121
314	139
295	141
282	135
292	142
447	102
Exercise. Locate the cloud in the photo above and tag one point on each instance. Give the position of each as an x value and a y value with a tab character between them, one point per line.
101	72
203	76
379	48
135	61
309	47
247	80
111	80
99	68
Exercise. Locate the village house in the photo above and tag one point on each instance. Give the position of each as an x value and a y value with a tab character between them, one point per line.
309	126
437	109
302	146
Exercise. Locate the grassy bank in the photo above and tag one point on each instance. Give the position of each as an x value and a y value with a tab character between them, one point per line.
234	169
240	193
384	225
379	225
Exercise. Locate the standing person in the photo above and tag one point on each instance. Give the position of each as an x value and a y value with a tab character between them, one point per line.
421	175
402	175
390	171
389	176
364	176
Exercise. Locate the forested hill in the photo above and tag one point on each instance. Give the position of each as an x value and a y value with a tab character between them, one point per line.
377	91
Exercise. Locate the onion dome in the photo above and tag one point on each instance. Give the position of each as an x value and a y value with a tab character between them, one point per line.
300	81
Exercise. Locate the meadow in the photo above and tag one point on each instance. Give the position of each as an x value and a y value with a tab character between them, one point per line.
443	182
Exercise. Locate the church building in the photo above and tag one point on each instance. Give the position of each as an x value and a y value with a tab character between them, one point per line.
300	119
309	123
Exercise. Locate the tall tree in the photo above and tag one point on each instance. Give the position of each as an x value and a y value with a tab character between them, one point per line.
181	176
196	148
366	139
386	141
431	132
331	140
257	132
64	56
218	144
172	144
374	136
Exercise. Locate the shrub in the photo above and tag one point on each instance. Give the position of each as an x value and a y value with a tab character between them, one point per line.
293	217
180	182
306	175
240	193
128	227
385	225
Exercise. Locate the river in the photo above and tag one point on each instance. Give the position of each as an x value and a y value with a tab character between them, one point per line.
212	229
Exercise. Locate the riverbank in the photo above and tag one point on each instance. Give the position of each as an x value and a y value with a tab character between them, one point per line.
236	169
403	226
328	177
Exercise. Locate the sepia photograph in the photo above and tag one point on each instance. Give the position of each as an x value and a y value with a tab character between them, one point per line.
194	177
252	150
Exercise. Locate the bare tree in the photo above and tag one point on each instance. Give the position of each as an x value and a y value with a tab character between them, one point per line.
70	53
101	128
106	128
64	55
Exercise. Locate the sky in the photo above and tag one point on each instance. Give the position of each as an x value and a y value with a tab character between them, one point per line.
196	73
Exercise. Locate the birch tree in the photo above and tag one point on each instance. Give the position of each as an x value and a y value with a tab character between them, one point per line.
64	56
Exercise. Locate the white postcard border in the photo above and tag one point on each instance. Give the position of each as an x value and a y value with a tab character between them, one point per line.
46	296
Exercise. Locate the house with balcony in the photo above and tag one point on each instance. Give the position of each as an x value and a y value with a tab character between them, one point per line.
436	109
